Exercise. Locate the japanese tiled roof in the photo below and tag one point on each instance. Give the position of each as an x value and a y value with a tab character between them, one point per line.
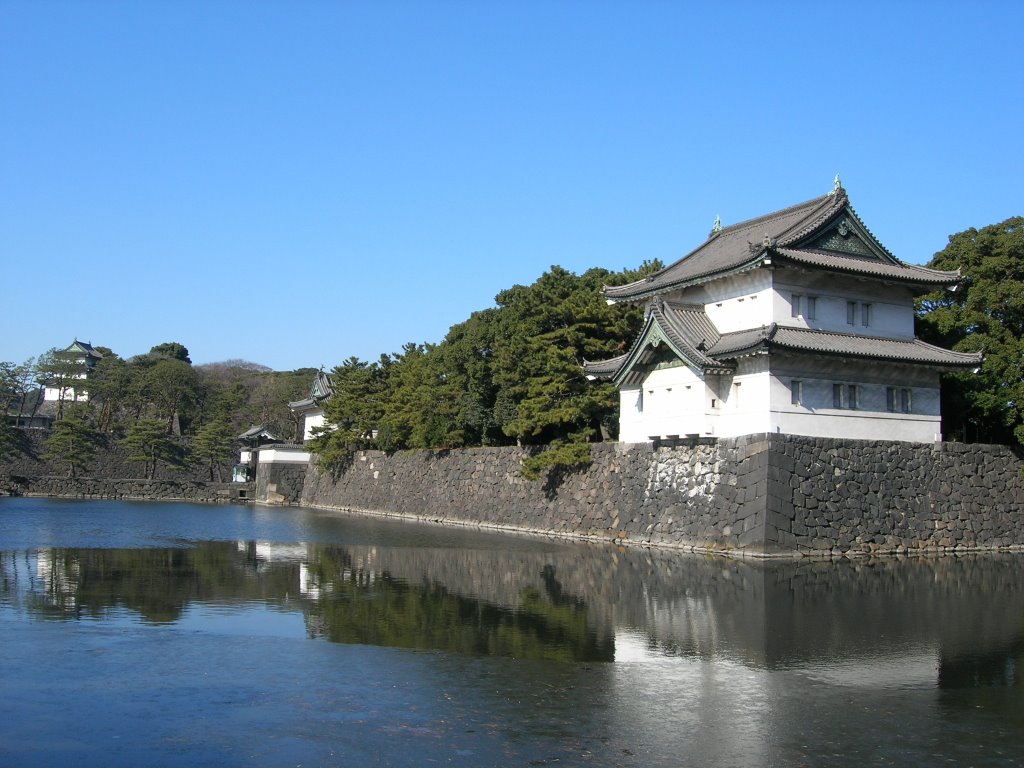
320	390
823	233
83	348
259	431
741	343
686	328
693	339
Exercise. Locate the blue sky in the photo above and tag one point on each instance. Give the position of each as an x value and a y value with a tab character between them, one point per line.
295	183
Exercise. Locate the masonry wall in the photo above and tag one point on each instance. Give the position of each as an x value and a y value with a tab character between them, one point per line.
110	475
280	482
149	490
706	494
761	495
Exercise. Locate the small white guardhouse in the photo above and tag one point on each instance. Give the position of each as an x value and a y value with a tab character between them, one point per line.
797	322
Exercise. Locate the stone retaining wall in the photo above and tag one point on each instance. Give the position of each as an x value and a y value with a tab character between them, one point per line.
110	461
110	488
707	494
110	475
853	495
761	495
280	482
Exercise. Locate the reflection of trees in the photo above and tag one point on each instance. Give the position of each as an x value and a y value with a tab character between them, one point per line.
374	608
158	584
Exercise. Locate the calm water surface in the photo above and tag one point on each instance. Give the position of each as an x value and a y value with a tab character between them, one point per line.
174	634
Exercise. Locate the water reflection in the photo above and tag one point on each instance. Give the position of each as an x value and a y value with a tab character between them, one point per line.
343	595
951	623
128	629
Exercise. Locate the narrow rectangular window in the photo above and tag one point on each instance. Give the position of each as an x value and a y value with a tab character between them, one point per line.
837	396
853	396
865	315
906	404
812	307
640	402
796	390
794	305
890	399
851	313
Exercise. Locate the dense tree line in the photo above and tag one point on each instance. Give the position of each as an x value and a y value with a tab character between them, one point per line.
507	375
511	374
985	313
158	405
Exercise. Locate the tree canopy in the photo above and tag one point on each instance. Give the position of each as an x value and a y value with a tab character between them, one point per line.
985	313
511	374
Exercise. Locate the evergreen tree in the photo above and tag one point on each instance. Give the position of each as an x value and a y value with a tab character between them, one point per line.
71	442
984	313
150	444
214	445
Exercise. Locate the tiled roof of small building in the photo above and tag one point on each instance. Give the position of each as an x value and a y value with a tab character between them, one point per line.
791	233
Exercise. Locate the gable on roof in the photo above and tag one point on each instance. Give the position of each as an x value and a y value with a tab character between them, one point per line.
83	348
825	226
847	235
673	333
322	387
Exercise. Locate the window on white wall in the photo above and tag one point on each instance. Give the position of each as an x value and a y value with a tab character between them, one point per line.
794	305
796	392
845	396
851	313
901	399
640	402
812	307
865	315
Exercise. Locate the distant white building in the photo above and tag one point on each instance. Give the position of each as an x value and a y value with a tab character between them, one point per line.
82	358
798	322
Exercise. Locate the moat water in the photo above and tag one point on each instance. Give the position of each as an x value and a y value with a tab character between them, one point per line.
173	634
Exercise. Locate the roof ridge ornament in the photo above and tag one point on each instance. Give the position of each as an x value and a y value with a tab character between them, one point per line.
837	185
716	227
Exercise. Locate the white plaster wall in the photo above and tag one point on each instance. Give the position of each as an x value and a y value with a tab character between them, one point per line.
892	307
313	419
735	303
70	395
816	416
670	402
744	399
283	456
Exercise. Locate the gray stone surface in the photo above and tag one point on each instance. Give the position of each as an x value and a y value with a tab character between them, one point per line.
110	475
760	495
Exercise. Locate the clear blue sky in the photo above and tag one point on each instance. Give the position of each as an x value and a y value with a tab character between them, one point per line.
293	183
